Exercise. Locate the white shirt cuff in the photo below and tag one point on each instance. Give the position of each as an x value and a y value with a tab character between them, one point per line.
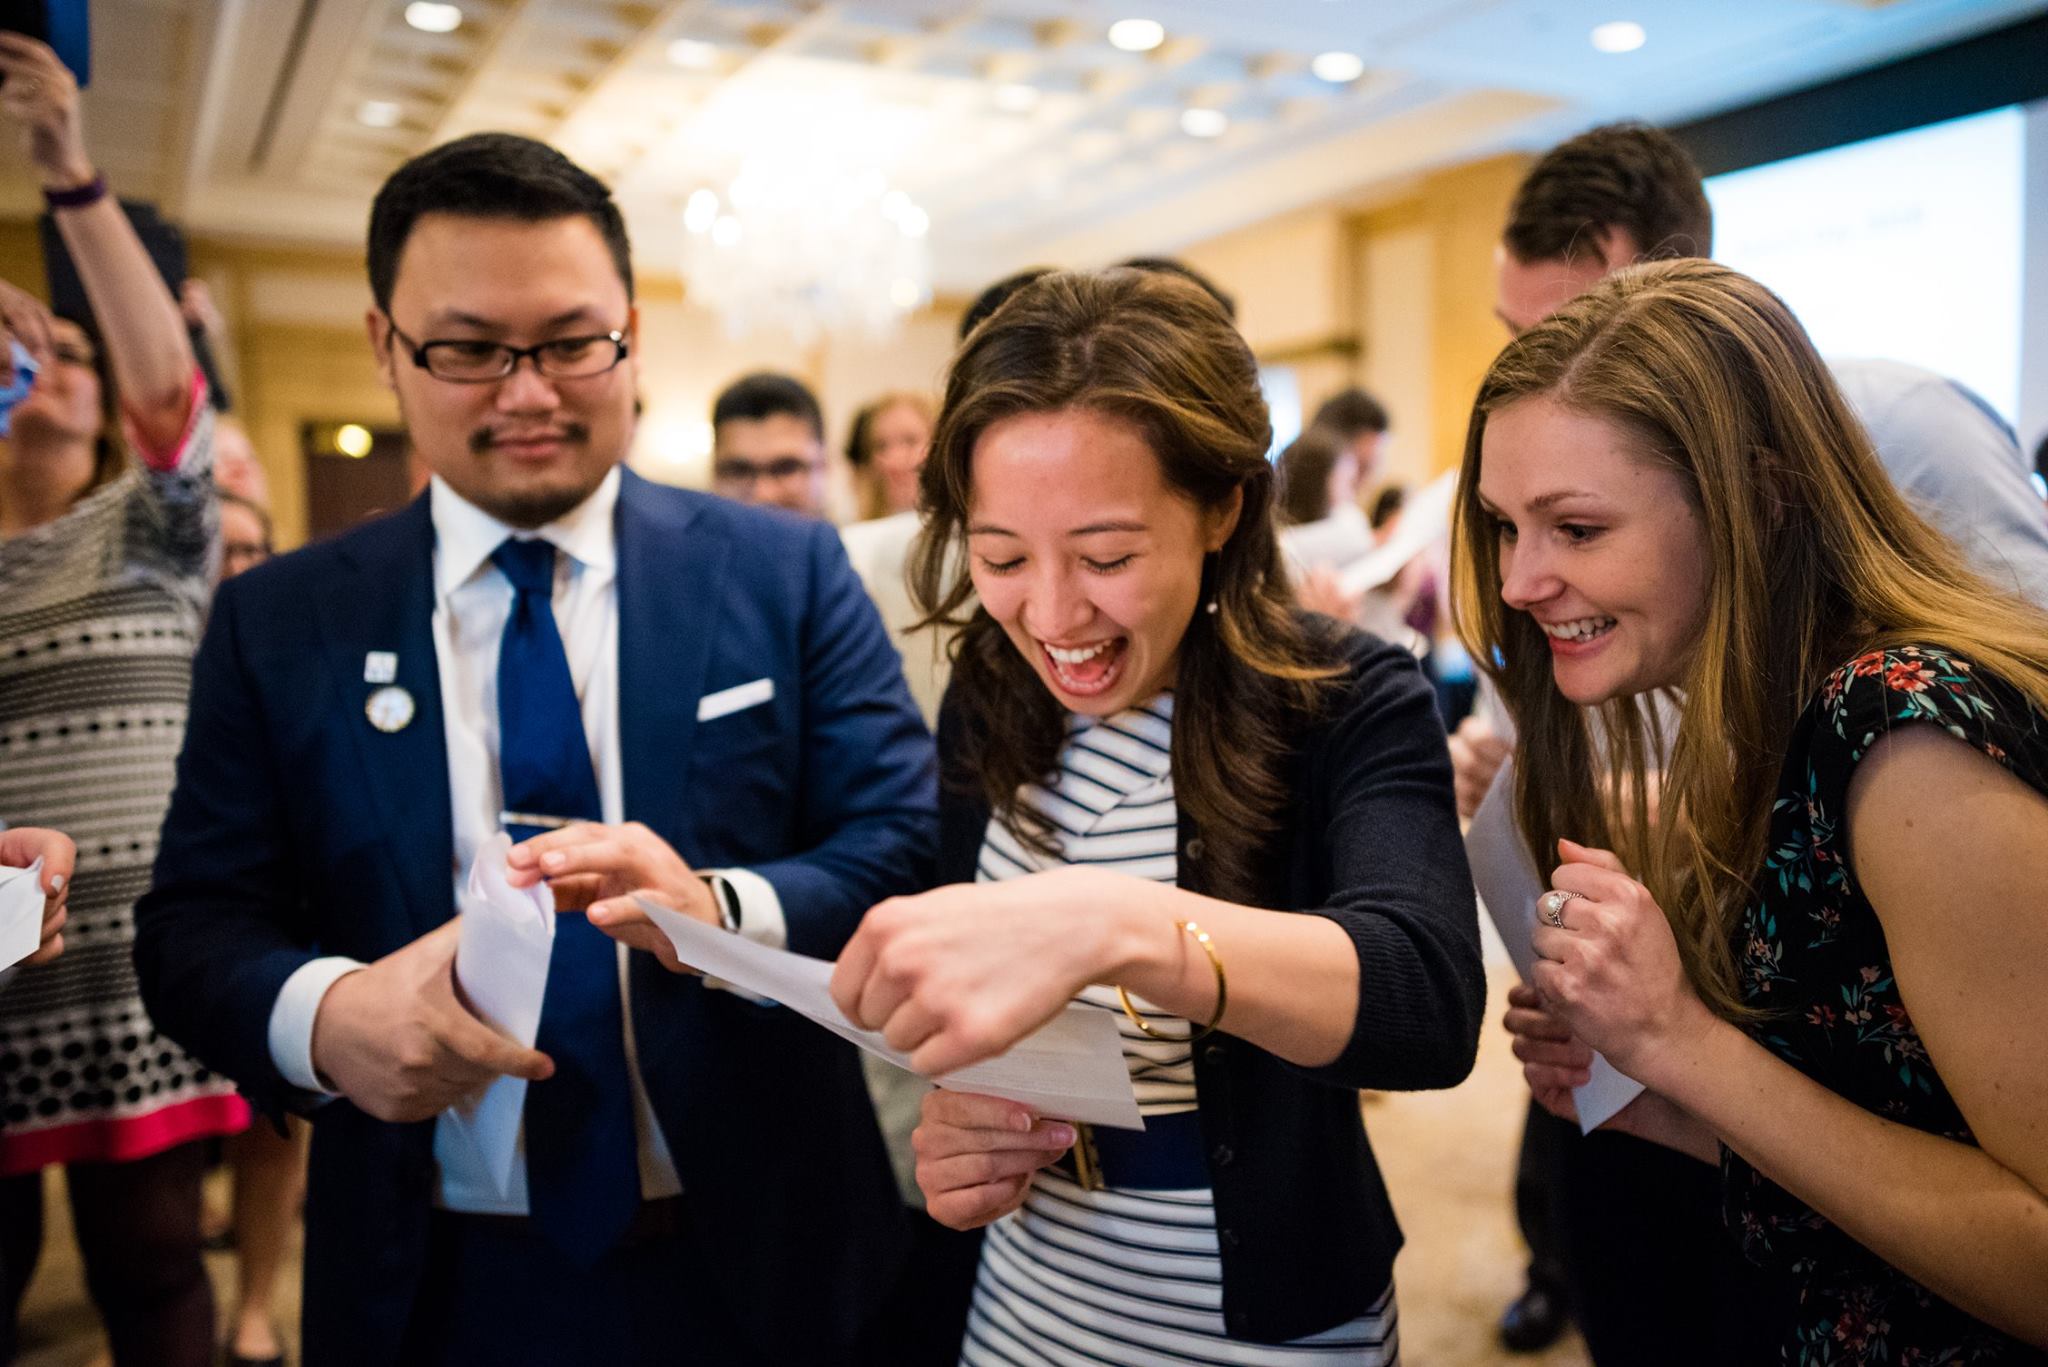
291	1019
761	921
761	918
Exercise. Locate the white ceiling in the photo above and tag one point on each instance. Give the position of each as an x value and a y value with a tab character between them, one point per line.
241	116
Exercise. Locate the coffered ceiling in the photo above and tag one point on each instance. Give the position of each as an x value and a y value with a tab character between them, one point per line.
1016	125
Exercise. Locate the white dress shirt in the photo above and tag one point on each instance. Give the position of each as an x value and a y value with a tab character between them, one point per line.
472	602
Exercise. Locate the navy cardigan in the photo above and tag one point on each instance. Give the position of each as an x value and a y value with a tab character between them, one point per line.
1371	841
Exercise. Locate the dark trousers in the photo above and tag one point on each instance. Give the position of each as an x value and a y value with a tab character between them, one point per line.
497	1293
925	1317
1652	1275
1541	1208
137	1225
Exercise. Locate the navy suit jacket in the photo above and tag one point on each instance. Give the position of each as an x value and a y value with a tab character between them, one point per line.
298	829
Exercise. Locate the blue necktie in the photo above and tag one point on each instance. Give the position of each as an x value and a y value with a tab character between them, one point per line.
583	1175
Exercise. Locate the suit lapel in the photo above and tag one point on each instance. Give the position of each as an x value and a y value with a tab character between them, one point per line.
671	562
387	605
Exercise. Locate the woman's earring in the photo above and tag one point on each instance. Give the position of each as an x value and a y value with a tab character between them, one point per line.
1211	609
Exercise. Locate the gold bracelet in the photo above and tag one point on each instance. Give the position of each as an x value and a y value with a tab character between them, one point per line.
1215	962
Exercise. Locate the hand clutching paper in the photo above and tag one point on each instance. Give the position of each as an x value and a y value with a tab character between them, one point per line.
21	913
1071	1068
1508	888
501	967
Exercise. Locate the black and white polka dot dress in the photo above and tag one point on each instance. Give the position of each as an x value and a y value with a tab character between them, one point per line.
100	613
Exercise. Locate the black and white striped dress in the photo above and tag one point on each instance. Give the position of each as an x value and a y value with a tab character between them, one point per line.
1078	1278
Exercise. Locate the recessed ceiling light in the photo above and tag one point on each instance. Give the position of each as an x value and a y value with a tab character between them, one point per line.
1137	35
428	17
726	231
701	211
1016	99
378	114
696	56
1623	35
904	293
1203	123
1338	68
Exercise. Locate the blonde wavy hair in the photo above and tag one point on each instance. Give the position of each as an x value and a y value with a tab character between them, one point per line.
1814	559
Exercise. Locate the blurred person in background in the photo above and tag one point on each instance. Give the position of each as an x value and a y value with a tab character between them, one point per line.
768	444
106	565
885	447
1325	528
994	296
236	469
1167	265
269	1167
245	535
1360	422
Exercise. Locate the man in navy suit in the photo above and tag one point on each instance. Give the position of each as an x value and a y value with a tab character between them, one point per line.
699	692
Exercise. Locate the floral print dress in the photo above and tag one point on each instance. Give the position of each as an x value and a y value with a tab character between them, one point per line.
1812	955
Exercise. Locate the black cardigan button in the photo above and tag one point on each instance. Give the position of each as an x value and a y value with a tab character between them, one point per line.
1222	1155
1214	1054
1195	850
1227	1238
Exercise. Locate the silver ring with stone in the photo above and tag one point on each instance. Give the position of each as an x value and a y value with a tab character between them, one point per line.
1550	907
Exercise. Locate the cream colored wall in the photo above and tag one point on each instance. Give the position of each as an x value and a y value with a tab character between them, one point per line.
1443	230
1397	297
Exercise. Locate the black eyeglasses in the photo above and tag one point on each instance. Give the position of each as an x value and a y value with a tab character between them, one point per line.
564	358
735	471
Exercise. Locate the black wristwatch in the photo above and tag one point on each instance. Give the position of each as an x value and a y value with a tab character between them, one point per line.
727	897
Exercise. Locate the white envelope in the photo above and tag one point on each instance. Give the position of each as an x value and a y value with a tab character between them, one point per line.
21	913
1072	1067
1508	888
501	964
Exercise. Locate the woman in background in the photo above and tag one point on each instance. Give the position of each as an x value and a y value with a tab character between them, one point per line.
1825	956
106	565
886	447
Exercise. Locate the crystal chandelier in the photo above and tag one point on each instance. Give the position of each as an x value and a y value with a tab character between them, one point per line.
807	249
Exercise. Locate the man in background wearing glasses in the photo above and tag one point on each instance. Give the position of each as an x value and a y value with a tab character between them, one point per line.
768	443
660	690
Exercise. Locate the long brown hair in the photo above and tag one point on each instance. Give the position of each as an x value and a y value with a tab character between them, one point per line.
1158	353
1814	558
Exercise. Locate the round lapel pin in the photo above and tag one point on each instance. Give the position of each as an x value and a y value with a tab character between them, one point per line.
389	709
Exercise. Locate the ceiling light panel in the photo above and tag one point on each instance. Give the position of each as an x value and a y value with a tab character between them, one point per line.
428	16
1618	36
1136	35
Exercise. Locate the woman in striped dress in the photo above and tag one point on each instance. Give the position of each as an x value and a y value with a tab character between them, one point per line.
105	569
1163	781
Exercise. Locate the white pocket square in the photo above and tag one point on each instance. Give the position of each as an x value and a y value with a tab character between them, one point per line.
738	698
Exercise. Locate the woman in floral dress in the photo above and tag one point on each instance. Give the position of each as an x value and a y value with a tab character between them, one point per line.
1824	957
